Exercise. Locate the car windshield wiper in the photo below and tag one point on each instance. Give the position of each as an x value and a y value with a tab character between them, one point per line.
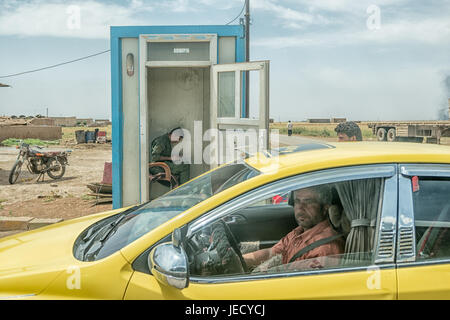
91	236
112	227
116	222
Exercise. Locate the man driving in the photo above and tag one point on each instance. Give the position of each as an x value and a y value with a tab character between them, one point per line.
314	237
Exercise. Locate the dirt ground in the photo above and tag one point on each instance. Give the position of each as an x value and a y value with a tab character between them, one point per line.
65	198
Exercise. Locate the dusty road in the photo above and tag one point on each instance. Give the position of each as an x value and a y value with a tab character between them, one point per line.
65	198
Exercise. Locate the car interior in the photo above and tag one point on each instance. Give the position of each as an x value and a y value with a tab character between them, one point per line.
252	228
432	213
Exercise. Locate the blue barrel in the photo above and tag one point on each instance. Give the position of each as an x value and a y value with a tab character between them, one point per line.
90	136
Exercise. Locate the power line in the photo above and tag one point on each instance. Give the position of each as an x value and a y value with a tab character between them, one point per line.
56	65
243	7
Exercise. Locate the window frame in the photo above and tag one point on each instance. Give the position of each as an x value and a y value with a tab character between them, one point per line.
406	172
385	221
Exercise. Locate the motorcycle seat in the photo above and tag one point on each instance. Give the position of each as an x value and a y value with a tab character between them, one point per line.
46	153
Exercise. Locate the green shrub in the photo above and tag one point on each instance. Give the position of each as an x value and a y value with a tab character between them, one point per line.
32	142
312	132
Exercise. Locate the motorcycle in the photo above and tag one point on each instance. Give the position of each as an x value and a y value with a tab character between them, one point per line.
39	162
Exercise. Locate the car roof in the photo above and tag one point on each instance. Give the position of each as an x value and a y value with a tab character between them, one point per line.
307	157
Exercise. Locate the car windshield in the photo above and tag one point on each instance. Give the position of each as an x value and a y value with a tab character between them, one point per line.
110	235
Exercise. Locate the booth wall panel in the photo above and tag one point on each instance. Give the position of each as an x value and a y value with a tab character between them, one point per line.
227	50
130	114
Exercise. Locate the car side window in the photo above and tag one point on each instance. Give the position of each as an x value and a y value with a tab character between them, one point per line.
431	201
325	226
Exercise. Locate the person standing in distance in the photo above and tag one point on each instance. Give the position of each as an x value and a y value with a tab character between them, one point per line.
289	127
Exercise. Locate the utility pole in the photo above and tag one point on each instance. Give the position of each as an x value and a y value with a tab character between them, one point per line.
247	57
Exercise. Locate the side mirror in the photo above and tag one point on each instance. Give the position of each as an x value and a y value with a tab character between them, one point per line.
169	265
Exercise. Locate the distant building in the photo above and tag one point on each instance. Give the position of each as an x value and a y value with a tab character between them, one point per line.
42	122
86	122
338	120
319	120
102	122
65	121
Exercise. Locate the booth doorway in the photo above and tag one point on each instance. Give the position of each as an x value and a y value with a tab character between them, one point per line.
177	97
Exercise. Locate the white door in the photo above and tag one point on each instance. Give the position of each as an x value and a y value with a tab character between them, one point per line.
233	132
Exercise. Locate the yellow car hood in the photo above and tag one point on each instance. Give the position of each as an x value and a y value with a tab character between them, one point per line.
29	261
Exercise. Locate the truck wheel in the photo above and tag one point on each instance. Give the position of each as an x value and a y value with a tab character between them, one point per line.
391	134
381	134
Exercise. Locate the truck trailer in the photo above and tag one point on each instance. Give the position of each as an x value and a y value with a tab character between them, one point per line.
411	131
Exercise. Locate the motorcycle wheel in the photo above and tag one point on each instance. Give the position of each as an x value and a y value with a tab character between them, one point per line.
58	169
15	172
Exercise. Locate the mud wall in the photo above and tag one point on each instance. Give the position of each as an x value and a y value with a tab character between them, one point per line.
34	132
65	121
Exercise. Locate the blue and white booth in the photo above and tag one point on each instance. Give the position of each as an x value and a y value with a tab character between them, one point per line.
163	77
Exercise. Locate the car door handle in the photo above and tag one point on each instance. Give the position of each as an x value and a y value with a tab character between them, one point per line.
235	219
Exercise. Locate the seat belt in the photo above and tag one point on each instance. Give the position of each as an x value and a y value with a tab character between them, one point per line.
314	245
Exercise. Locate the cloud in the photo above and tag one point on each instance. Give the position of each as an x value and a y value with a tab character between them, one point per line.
288	17
178	6
429	31
82	19
57	18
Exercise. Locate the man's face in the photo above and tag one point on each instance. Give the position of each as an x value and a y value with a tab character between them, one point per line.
174	139
307	208
344	137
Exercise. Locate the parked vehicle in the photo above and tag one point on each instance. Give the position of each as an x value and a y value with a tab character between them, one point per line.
411	131
392	197
39	161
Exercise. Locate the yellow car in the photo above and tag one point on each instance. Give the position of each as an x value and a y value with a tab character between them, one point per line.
383	210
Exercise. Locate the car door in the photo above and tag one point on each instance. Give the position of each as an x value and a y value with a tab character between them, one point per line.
348	275
424	232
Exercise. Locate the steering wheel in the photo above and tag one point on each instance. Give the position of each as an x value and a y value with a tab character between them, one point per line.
216	252
233	243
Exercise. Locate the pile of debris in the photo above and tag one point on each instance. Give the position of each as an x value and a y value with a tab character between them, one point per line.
7	121
102	191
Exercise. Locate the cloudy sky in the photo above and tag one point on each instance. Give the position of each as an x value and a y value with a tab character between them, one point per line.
359	59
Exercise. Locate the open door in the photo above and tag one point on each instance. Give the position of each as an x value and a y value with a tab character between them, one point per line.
237	127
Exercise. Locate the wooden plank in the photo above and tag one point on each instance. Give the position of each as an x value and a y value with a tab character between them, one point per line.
100	195
100	188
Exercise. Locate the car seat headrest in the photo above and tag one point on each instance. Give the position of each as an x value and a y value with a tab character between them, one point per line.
338	219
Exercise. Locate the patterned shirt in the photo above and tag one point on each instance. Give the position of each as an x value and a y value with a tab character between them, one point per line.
298	238
161	147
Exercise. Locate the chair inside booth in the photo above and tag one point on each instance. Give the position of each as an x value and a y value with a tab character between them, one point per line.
161	173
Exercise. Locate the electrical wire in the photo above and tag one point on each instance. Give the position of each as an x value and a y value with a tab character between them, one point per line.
56	65
245	2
